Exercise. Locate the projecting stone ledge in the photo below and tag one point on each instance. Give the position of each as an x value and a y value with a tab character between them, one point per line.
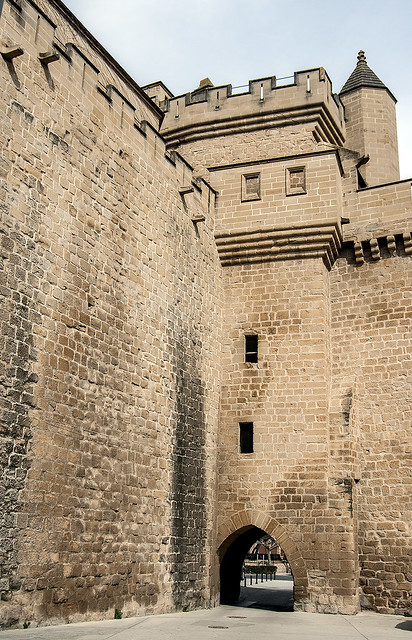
266	245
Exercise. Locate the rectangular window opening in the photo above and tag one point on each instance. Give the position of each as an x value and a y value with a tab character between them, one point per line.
251	348
246	437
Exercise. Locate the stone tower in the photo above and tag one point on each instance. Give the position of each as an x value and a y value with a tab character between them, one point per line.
271	155
307	204
370	120
205	334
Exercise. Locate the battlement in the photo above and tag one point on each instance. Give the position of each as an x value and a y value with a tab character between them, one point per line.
70	62
217	111
150	320
70	55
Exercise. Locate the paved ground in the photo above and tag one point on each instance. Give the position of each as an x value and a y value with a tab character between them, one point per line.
229	623
259	615
273	595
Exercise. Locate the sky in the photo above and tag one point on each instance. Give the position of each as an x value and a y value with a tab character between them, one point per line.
234	41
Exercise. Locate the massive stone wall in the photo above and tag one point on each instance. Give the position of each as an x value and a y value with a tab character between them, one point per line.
128	287
286	397
110	321
371	394
342	348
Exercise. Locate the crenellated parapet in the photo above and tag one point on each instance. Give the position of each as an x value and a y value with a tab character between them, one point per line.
218	111
54	38
45	40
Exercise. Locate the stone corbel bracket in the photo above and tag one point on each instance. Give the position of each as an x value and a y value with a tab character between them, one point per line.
47	57
322	240
185	190
407	242
8	53
359	255
391	245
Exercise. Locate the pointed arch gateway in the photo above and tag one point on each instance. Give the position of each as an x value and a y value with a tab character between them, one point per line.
235	537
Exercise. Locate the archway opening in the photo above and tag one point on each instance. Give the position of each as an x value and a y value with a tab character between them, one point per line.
254	571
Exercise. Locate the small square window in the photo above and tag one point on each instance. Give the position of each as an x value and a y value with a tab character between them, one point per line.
250	187
246	437
251	348
295	181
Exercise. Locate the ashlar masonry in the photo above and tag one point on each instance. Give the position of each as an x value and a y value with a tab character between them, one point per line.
205	334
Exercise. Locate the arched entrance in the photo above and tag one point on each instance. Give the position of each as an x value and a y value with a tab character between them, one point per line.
242	531
232	561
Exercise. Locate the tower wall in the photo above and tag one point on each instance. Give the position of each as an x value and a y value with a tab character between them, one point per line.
371	411
370	119
129	284
286	397
110	337
267	244
216	127
276	250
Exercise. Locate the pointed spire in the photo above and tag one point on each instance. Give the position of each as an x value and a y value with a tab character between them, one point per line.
363	76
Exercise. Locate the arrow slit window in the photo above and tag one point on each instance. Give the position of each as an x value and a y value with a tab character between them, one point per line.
251	348
246	437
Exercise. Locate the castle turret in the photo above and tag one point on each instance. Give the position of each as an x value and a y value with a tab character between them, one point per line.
371	124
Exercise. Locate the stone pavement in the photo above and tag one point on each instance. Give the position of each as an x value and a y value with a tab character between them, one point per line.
229	623
274	595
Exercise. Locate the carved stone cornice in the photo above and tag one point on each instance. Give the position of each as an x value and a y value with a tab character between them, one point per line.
320	240
316	114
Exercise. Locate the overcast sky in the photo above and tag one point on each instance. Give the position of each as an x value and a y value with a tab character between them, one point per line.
233	41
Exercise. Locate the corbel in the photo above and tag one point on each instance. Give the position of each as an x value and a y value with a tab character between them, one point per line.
198	217
9	53
183	191
48	56
391	245
375	251
407	243
186	189
359	256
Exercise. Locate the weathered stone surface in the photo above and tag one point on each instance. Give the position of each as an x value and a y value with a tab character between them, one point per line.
128	284
110	336
329	397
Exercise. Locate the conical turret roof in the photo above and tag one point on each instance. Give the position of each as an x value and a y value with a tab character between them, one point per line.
363	76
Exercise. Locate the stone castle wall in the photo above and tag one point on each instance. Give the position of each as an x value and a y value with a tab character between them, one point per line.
327	369
371	411
129	282
110	332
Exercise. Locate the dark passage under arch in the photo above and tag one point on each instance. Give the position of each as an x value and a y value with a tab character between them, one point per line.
249	588
233	552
